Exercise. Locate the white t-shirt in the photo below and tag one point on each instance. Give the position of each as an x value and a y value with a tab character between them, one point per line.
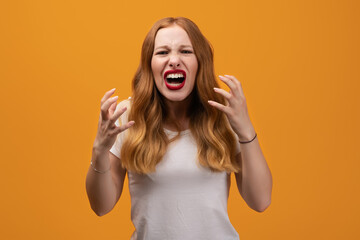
181	200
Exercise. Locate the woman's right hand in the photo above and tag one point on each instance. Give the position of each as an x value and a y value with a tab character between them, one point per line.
107	130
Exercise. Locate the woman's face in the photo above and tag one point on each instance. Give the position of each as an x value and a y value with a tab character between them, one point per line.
174	64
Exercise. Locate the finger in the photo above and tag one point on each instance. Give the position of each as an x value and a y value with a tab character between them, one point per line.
112	108
236	82
123	127
105	107
226	94
218	106
117	114
107	95
231	84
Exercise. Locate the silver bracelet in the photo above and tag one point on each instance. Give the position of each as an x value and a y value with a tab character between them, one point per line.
98	171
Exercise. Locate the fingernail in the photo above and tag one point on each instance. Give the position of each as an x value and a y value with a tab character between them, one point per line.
113	98
221	77
113	89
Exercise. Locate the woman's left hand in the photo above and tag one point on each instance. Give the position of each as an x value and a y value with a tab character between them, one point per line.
235	109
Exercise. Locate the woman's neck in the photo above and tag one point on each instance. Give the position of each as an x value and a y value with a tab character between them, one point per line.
177	113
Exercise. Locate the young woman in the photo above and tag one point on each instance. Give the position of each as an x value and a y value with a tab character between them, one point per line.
185	136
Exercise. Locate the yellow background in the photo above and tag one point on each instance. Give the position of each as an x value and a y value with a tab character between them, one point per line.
298	62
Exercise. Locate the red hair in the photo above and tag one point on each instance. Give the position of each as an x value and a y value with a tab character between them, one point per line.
146	143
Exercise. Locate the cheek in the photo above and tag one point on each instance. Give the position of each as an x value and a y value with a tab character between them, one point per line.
194	68
156	67
156	71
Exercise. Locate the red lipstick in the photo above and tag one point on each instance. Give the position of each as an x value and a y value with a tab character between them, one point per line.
179	81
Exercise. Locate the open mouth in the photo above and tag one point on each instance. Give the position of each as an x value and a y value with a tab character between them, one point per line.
175	79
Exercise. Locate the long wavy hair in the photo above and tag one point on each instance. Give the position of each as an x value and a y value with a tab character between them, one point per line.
146	141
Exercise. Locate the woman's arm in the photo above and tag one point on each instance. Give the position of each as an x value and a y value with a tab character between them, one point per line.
254	182
105	177
104	189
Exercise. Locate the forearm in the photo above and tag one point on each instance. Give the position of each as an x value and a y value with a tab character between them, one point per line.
256	182
100	187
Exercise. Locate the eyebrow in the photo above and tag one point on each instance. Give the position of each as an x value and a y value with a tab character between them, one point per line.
166	46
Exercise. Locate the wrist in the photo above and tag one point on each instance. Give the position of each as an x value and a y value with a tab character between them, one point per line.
249	141
246	136
98	170
100	161
99	149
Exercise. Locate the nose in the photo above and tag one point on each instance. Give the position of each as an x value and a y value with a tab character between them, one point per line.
174	60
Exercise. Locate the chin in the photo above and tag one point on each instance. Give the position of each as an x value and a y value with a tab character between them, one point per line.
177	97
173	98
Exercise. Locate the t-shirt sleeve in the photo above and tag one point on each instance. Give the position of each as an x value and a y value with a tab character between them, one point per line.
115	149
123	119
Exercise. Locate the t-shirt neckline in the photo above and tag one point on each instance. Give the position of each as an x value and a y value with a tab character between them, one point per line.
184	132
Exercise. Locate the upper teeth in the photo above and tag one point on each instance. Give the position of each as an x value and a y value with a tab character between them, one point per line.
175	75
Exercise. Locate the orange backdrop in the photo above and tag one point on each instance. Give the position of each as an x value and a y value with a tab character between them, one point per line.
298	62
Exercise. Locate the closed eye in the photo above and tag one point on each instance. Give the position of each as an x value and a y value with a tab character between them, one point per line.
186	51
161	53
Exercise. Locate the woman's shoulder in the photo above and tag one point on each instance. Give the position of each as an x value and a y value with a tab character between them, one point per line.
124	117
124	103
